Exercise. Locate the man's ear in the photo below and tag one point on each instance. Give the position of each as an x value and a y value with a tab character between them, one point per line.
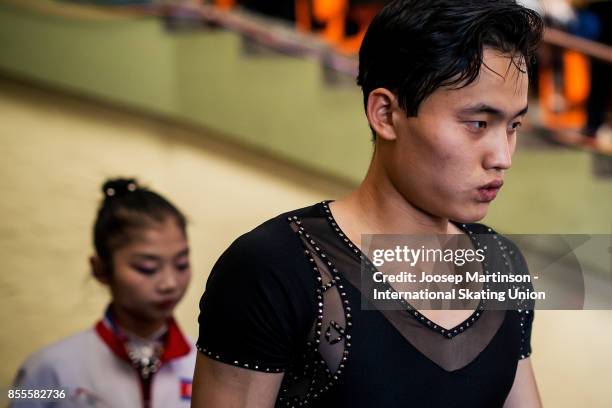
99	269
381	103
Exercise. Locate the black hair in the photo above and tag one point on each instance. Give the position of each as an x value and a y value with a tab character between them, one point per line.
413	47
127	206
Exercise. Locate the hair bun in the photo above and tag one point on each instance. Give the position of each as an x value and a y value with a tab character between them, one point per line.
118	187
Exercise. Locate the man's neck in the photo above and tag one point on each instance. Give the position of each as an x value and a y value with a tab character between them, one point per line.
377	207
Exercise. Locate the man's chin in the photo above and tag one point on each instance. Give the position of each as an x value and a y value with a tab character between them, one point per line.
472	214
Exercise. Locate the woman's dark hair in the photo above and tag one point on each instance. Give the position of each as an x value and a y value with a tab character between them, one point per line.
126	207
413	47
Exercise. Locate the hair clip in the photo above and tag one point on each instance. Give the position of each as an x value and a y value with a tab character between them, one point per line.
131	187
110	192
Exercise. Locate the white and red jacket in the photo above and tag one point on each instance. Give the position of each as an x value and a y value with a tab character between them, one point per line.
93	368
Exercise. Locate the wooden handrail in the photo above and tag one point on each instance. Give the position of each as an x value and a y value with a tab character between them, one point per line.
589	48
88	12
248	24
268	31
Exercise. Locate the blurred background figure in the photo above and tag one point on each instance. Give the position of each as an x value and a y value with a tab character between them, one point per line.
595	22
136	356
574	86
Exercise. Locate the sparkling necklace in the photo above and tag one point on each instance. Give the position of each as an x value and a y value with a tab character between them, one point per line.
145	354
145	357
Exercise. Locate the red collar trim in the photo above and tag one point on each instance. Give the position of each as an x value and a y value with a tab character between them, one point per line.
176	345
112	341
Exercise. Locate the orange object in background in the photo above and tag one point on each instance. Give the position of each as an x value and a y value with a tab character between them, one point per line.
361	15
563	95
303	19
225	4
333	14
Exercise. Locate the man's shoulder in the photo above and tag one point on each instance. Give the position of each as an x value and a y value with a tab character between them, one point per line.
273	237
266	261
271	252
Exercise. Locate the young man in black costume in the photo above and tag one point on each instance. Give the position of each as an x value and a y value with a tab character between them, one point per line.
445	88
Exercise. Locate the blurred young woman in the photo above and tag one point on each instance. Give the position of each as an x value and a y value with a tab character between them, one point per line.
136	355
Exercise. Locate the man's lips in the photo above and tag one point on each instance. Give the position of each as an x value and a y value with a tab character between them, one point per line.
488	192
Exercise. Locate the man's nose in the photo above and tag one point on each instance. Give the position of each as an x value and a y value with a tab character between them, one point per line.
499	155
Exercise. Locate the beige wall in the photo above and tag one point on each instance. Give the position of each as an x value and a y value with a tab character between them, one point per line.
55	154
56	150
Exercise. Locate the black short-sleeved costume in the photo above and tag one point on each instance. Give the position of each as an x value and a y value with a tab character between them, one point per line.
285	298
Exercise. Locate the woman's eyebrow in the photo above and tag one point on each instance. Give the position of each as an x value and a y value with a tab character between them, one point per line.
153	257
182	253
149	257
490	110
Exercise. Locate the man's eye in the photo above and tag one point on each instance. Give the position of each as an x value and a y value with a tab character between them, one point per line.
515	126
477	124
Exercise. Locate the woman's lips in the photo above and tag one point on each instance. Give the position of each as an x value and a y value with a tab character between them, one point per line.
488	192
168	304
